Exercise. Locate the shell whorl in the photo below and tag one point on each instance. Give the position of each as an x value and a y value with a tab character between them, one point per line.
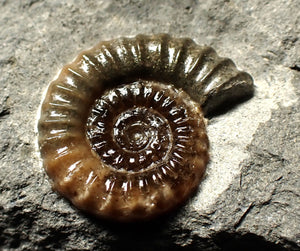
121	130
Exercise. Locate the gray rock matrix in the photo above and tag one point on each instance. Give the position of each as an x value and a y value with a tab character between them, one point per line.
250	197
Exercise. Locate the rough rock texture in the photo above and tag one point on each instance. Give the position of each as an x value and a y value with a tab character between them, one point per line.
250	198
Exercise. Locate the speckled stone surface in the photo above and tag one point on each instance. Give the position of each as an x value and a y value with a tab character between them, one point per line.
250	196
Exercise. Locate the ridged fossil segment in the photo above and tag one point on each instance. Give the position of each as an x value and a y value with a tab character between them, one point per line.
121	131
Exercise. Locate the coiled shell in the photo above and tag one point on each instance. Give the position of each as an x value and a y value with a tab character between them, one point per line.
121	131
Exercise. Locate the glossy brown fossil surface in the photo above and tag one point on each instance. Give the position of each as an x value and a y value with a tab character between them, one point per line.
121	130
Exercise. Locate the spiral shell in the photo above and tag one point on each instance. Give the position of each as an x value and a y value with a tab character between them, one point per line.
121	130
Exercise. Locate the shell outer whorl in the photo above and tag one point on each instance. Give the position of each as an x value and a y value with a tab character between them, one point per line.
121	130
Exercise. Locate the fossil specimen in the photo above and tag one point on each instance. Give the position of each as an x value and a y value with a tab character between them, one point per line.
121	130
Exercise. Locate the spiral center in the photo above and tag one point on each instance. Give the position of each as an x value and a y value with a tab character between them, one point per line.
143	132
131	130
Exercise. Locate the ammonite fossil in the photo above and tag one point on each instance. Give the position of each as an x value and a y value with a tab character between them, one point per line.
121	130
